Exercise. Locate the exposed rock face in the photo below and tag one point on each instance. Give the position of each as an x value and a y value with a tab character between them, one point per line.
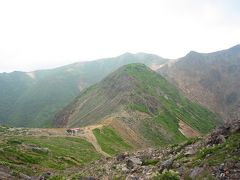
219	135
166	164
6	174
195	172
211	79
215	156
133	161
45	176
35	148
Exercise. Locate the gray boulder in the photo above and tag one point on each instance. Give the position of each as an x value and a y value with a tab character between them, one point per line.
166	164
133	161
195	172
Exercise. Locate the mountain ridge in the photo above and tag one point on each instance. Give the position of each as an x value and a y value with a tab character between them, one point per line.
141	99
48	91
41	94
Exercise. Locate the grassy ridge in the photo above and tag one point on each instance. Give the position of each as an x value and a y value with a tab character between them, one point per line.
163	127
175	106
136	88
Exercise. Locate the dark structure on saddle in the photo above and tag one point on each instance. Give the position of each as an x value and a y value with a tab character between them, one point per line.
73	131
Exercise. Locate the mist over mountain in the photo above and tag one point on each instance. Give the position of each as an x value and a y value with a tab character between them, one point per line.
72	107
139	115
31	99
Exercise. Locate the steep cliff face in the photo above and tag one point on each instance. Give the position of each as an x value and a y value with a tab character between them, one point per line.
211	79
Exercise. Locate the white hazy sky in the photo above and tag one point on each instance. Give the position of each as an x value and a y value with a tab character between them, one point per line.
36	34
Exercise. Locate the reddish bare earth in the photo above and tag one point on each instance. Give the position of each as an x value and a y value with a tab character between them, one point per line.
187	131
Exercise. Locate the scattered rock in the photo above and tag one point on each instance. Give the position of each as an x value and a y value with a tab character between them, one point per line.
86	178
5	175
222	175
45	176
125	170
40	150
166	164
221	167
132	165
176	165
190	151
35	148
235	126
216	138
24	176
237	165
132	162
136	161
121	157
196	172
220	134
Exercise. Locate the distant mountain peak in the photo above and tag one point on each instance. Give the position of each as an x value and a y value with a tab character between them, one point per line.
211	79
193	53
235	48
126	54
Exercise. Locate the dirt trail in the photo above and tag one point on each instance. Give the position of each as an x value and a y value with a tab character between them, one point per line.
89	136
84	133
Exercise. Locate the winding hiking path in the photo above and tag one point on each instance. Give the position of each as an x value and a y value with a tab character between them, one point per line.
89	136
85	133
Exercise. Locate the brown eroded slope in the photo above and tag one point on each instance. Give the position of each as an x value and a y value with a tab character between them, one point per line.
212	79
187	130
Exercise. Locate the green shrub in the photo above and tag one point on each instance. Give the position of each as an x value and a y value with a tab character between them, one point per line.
13	141
147	162
57	178
167	175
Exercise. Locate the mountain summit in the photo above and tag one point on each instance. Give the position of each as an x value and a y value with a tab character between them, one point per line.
211	79
142	101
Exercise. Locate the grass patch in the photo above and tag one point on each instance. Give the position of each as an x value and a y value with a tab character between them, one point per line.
167	175
19	153
148	162
139	107
110	141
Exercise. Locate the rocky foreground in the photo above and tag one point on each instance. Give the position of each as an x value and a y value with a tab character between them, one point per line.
216	156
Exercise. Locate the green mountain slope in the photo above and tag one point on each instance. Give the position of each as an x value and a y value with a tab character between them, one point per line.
142	100
12	86
33	99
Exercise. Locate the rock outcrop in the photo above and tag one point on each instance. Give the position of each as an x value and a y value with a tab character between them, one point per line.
214	156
